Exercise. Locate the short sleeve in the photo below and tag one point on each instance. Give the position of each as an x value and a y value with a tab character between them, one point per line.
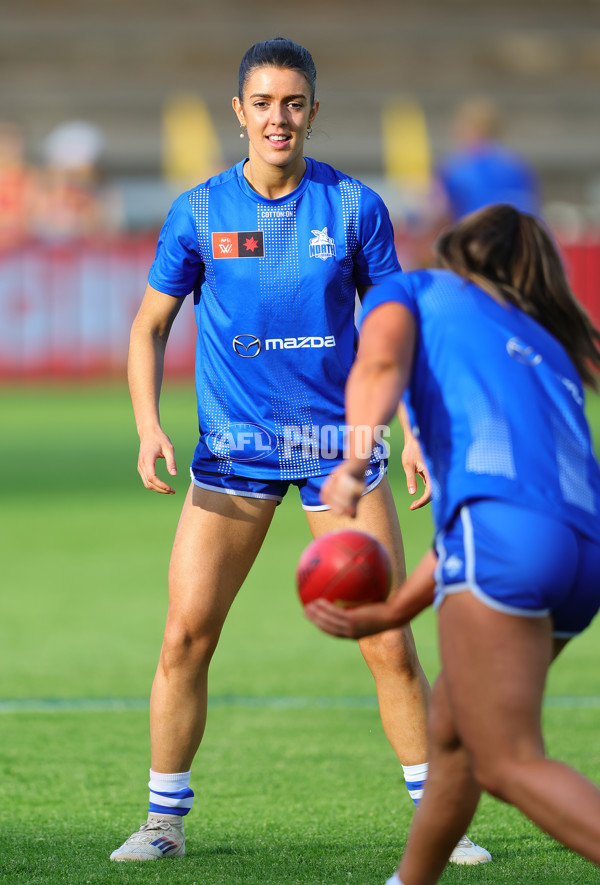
397	288
178	262
376	257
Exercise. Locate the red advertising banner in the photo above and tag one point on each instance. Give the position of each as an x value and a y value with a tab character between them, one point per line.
66	310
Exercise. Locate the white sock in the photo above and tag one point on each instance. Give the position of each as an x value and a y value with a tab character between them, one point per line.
170	793
395	880
415	777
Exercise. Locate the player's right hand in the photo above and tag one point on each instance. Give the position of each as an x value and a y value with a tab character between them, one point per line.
342	490
153	448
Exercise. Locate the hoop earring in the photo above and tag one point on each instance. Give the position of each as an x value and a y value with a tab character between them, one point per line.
242	132
308	133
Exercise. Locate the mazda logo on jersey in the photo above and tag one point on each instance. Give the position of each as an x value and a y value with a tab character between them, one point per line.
238	244
247	346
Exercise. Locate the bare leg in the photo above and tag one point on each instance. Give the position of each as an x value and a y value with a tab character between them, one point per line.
449	802
501	722
217	540
496	709
402	688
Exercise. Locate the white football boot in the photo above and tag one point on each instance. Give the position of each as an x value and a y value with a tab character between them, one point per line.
160	836
467	852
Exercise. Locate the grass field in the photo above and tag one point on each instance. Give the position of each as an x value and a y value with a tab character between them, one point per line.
295	781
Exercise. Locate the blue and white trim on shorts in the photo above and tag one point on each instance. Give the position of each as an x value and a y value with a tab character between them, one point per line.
521	562
217	483
468	574
372	480
275	490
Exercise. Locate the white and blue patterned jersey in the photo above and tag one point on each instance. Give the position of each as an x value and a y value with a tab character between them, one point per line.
498	403
274	285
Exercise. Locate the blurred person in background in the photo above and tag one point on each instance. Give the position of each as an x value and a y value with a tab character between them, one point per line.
481	169
16	187
72	200
274	250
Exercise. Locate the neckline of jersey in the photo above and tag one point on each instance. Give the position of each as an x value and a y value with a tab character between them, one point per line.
293	195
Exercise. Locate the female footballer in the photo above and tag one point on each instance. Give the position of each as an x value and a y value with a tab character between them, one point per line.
493	350
274	251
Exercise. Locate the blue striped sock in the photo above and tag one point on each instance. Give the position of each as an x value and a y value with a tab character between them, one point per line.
170	793
415	777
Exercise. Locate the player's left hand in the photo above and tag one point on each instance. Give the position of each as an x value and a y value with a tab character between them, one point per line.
414	465
351	623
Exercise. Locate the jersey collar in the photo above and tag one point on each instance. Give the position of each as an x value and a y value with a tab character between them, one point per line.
293	195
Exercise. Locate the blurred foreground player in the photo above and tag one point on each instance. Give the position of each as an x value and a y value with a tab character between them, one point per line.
274	250
493	349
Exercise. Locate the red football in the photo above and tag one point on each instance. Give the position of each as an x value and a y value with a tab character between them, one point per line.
346	567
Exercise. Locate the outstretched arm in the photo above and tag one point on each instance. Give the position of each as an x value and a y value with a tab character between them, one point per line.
147	343
414	595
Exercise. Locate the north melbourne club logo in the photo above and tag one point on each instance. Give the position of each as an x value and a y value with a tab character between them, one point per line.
322	245
238	244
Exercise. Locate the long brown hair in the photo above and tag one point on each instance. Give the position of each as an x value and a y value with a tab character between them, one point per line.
507	252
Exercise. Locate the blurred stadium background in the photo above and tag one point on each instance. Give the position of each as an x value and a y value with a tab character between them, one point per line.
107	110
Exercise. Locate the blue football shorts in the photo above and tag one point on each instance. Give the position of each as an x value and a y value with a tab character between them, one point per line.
275	489
520	562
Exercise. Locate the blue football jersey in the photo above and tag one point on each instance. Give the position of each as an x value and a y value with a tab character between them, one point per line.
498	403
274	285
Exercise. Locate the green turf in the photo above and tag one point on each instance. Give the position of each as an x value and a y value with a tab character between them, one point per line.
295	781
